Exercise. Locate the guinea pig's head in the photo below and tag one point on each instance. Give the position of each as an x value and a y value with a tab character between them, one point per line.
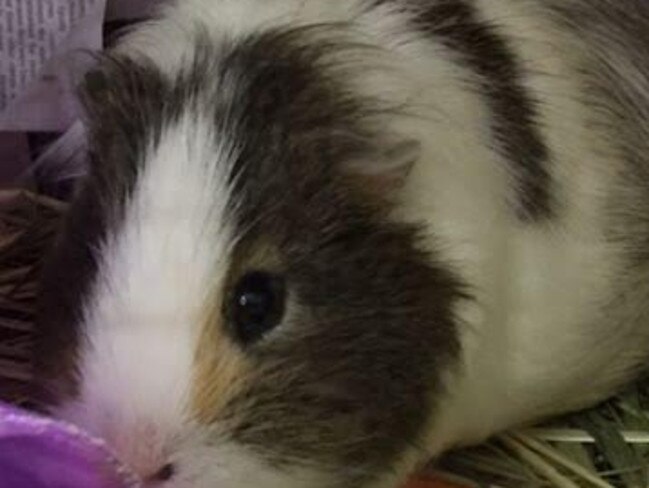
230	303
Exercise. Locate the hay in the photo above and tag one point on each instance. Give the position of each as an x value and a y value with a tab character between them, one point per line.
27	226
607	446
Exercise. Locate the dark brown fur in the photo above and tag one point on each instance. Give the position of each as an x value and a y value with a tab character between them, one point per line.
480	48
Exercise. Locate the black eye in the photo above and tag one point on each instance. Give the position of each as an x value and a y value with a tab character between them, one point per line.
257	305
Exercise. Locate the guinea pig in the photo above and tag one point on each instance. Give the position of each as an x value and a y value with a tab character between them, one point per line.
322	242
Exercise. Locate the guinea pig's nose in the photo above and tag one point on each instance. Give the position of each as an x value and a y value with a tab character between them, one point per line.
165	473
142	449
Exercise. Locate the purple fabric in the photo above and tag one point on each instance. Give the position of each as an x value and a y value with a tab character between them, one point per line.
39	452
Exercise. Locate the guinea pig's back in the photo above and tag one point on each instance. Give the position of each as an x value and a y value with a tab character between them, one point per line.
553	246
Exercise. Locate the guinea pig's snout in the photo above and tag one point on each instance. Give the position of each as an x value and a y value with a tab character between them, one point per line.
153	475
143	451
165	473
152	472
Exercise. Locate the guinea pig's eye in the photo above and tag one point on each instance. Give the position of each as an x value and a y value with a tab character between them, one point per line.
256	305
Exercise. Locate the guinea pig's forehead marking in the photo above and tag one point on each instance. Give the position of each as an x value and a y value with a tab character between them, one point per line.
153	319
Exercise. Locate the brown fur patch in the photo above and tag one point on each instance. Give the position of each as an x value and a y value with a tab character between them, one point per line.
220	366
219	369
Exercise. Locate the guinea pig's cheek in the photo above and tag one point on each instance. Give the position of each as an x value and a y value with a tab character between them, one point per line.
220	369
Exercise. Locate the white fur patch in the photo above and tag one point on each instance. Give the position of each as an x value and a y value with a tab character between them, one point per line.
537	341
158	272
167	261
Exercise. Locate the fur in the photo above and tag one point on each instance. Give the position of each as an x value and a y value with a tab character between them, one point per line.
453	191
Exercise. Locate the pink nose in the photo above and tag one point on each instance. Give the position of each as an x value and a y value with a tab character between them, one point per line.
165	473
142	449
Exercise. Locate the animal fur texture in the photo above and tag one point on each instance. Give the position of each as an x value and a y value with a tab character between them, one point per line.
456	193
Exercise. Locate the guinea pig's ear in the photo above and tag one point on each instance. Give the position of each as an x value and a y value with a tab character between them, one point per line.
94	82
94	91
386	170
